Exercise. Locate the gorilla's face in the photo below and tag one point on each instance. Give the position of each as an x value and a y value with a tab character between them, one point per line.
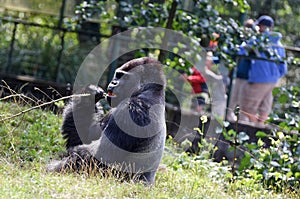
122	86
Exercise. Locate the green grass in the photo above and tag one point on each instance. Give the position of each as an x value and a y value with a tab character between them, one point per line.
30	141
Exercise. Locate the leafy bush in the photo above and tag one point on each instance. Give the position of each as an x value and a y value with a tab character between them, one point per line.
278	165
286	112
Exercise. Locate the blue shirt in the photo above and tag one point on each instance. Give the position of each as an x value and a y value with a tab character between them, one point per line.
243	68
265	71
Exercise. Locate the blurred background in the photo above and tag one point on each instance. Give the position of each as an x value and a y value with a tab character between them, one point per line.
46	41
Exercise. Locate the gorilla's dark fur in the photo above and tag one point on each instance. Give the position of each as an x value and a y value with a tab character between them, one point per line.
131	137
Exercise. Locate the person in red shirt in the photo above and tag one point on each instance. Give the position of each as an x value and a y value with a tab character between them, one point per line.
200	89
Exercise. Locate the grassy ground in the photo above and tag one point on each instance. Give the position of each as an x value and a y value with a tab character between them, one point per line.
28	142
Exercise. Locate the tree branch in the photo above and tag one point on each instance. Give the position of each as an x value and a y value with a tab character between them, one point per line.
41	105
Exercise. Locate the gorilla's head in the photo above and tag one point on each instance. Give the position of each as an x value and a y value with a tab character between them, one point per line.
132	76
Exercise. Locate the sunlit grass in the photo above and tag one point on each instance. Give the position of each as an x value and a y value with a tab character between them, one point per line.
29	142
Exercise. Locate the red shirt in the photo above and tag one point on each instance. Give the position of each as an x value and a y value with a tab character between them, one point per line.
197	81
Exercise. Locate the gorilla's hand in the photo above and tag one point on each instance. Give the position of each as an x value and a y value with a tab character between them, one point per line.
96	91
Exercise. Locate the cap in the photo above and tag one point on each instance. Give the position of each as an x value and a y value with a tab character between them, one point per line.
265	20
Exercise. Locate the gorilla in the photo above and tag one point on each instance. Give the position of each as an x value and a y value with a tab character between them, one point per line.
130	138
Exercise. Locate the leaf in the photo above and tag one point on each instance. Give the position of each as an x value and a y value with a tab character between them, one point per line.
242	136
261	134
186	143
203	118
245	162
275	91
219	130
123	3
296	104
275	164
231	132
280	135
260	143
204	23
226	123
283	98
251	146
198	130
175	50
297	175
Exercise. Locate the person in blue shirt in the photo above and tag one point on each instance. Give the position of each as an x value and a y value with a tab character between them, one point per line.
241	77
264	73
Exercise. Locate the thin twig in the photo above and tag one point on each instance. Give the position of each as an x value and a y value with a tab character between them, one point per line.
11	90
44	93
41	105
17	95
55	91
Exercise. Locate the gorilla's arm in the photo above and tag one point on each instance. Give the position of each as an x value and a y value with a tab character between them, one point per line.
68	129
82	107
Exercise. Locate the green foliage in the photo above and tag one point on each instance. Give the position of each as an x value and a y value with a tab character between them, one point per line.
277	166
198	21
24	138
37	49
286	112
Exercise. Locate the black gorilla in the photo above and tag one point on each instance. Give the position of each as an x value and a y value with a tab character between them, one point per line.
131	137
